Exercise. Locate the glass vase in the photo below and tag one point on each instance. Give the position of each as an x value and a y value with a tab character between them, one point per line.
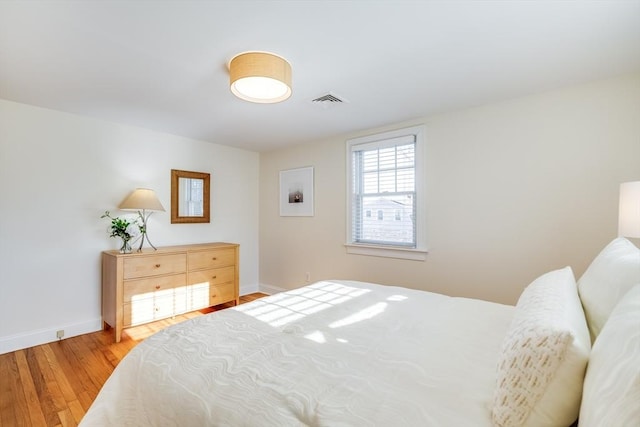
125	248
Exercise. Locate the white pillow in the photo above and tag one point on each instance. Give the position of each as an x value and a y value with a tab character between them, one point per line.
612	384
544	356
611	274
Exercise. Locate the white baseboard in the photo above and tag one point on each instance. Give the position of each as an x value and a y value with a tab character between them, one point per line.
249	289
270	289
44	336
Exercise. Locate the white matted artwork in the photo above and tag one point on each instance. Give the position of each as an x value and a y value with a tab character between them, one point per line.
296	192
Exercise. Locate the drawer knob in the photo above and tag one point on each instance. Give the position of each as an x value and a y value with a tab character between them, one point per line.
157	286
214	277
157	265
214	258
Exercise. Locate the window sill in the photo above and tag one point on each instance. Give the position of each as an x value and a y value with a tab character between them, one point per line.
387	251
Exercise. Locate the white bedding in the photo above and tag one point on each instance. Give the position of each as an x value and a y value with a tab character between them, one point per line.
335	353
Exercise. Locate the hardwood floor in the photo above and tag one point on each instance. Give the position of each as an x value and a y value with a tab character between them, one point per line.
54	384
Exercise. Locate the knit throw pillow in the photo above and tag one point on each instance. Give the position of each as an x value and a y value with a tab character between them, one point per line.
544	356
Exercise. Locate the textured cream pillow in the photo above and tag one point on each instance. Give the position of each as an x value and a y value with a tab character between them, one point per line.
612	384
611	274
544	356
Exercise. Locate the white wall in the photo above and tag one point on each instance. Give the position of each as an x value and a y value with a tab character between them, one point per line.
515	189
59	172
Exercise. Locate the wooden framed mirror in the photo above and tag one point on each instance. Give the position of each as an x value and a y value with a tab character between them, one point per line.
190	197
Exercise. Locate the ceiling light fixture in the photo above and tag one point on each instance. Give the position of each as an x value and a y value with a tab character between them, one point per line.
260	77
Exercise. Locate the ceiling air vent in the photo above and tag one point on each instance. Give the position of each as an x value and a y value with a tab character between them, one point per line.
327	98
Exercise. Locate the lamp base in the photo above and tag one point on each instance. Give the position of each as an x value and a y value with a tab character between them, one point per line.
143	229
144	235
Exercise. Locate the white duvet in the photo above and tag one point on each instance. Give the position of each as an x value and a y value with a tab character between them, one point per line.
335	353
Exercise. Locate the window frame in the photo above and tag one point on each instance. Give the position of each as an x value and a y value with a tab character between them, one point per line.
385	250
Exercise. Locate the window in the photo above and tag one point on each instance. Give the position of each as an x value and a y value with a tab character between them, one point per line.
385	174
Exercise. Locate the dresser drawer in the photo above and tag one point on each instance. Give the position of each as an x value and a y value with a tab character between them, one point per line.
212	276
180	300
148	309
198	296
212	258
158	265
202	295
140	287
221	293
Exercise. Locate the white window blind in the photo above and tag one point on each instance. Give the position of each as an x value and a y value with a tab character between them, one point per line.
383	175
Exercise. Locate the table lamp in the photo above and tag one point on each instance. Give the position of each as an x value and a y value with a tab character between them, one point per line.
629	212
142	200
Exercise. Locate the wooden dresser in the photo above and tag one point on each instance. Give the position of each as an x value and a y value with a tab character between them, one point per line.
142	287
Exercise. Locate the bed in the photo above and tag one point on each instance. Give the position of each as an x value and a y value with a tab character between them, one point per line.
348	353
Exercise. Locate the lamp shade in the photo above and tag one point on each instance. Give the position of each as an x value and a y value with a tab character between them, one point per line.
260	77
629	212
142	198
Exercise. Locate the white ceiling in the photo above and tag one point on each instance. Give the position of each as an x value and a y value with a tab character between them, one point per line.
162	64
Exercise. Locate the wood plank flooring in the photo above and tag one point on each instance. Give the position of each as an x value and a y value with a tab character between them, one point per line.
54	384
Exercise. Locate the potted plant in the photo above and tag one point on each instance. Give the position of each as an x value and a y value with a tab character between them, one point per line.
123	228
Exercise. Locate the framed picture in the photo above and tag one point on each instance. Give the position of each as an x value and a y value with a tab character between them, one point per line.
296	192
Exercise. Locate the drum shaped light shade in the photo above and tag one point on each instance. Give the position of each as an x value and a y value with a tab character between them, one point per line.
260	77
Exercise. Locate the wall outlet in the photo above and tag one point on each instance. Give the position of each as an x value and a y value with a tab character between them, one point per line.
60	334
307	277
